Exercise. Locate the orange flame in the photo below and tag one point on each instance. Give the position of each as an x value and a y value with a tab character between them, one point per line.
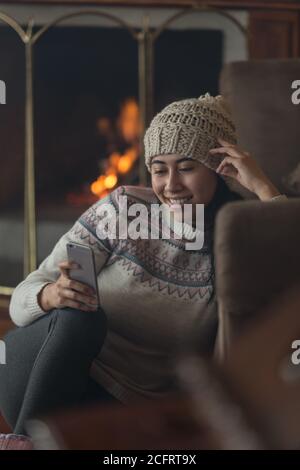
129	121
129	126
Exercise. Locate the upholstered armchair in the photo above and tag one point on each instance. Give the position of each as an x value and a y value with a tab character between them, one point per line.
257	255
257	244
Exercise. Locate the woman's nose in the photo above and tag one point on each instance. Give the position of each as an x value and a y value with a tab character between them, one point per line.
173	182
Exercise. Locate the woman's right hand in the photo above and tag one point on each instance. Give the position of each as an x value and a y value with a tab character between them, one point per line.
67	293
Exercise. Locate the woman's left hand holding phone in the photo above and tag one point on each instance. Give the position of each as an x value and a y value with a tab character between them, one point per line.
66	292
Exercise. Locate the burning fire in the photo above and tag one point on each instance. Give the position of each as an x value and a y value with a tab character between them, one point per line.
118	164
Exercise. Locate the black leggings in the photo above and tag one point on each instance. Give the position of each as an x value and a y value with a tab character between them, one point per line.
47	365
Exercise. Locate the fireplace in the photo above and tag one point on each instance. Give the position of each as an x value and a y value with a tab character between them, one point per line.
87	113
90	112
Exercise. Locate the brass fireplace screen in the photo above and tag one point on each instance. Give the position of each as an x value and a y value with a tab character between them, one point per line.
145	37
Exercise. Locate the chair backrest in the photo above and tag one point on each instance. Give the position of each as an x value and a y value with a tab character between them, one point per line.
257	255
259	94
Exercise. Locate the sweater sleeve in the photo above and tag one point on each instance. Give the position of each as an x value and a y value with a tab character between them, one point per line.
24	307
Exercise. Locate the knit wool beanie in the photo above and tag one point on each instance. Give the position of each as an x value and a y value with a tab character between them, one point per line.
190	128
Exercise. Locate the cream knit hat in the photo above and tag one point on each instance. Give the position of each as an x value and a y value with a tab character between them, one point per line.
191	127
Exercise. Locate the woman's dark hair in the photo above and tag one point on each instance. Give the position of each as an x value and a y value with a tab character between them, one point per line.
222	196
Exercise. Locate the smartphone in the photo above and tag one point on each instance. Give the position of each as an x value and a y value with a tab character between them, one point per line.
84	256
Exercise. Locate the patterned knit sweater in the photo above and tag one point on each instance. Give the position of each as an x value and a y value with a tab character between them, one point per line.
152	291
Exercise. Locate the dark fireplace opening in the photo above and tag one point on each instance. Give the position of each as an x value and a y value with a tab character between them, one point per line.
187	64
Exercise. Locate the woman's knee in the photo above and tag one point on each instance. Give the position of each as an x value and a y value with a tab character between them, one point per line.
80	326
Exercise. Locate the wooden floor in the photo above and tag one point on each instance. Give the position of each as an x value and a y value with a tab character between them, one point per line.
5	325
5	321
4	428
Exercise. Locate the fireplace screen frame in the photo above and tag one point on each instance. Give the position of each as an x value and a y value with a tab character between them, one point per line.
146	38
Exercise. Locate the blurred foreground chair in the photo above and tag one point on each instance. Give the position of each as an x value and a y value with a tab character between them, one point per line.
252	398
263	369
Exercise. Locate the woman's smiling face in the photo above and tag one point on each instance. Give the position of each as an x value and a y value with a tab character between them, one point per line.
180	180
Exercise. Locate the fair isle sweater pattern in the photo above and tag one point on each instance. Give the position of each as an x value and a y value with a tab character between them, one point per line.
162	265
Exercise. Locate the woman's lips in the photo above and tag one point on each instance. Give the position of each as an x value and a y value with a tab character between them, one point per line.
176	204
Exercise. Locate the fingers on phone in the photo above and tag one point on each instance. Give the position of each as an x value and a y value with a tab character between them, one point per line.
83	288
65	266
81	306
87	308
81	298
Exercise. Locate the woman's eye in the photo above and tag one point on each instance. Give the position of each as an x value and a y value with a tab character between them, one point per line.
158	172
186	169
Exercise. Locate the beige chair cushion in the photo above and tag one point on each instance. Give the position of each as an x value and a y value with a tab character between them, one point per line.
257	255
